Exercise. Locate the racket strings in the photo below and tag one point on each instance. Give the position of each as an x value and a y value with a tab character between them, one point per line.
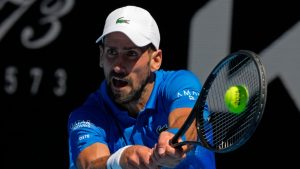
222	130
237	133
236	128
229	123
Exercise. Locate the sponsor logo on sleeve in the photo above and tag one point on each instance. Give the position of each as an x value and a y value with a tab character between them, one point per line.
81	124
192	95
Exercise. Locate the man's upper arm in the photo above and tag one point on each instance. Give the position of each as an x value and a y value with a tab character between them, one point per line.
181	97
87	128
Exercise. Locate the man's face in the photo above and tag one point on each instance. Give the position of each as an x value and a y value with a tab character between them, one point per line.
126	67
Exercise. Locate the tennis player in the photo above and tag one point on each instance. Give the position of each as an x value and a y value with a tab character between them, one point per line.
127	123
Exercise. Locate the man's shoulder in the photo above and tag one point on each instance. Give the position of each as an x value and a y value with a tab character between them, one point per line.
173	82
169	76
176	73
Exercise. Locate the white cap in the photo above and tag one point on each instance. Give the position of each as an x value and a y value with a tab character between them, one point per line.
136	23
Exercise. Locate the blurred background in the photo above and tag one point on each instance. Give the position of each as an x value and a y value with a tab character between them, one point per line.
49	65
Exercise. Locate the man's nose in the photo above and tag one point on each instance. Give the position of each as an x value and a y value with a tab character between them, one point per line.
119	64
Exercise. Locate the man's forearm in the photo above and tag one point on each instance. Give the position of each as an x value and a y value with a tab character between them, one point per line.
177	119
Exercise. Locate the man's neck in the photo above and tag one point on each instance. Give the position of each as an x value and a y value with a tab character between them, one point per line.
138	105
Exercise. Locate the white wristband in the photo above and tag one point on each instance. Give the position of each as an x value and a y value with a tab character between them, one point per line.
113	161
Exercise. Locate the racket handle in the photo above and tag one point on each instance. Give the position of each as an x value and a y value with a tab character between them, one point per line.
177	133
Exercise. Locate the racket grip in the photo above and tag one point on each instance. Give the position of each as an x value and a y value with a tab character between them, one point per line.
173	142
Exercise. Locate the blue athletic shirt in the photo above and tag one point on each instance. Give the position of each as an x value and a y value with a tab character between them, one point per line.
99	119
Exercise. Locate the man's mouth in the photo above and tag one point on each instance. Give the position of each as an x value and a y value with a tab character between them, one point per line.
118	82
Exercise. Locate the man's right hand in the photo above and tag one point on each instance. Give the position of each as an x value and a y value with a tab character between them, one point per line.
138	157
166	155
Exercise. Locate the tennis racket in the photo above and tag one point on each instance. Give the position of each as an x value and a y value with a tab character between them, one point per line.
219	129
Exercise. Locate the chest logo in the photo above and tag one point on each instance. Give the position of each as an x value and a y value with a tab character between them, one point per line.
161	128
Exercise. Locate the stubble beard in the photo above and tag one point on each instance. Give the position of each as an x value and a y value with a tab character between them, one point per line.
133	96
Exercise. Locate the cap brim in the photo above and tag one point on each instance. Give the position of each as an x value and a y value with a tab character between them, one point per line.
137	38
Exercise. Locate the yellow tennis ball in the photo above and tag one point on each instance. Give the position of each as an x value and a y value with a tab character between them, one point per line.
236	98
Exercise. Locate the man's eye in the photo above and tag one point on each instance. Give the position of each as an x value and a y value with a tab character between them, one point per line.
111	52
132	54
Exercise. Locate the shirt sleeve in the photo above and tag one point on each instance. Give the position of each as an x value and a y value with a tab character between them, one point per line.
181	90
82	129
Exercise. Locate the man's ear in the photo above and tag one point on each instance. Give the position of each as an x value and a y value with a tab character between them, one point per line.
156	60
101	56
